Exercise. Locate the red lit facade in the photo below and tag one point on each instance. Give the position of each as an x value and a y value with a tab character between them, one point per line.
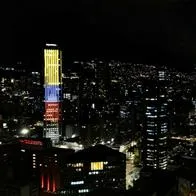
52	112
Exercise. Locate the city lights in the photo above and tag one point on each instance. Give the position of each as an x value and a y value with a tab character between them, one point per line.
24	131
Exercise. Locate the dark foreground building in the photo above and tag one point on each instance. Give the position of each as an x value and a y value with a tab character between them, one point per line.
32	167
92	169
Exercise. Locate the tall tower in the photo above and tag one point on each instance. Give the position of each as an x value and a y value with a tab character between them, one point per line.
53	92
156	123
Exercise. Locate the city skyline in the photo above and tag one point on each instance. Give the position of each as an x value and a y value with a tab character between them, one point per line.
144	113
98	97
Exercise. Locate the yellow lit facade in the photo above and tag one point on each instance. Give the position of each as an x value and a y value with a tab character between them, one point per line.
97	165
52	72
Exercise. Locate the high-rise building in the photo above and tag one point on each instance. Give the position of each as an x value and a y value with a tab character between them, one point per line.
156	123
53	92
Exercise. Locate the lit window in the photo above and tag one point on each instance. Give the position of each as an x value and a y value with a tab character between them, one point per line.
149	159
155	116
97	166
150	139
77	182
83	191
163	138
77	165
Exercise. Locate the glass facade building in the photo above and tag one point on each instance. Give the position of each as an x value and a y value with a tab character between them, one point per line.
156	123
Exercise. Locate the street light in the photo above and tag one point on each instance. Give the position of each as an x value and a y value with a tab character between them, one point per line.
24	131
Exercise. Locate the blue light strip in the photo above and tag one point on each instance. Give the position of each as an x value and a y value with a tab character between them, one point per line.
52	93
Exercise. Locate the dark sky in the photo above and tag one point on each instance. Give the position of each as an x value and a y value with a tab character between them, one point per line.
139	30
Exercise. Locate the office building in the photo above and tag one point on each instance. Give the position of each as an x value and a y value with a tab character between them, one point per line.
17	171
43	163
53	92
156	123
94	168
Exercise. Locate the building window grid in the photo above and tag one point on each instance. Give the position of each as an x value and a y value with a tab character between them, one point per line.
97	165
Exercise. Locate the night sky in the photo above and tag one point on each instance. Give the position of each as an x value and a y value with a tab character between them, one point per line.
155	31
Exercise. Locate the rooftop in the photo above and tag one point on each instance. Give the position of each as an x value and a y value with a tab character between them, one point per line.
97	153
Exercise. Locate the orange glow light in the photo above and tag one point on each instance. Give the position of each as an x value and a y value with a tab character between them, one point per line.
54	186
48	184
42	181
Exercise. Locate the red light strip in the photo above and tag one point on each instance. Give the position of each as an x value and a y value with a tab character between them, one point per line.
54	186
31	142
48	184
42	181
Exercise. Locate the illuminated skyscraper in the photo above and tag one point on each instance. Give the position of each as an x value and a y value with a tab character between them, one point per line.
53	91
156	126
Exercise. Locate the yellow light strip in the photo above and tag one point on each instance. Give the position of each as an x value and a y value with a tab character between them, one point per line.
52	58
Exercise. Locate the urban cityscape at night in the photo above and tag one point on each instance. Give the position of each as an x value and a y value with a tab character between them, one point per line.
98	98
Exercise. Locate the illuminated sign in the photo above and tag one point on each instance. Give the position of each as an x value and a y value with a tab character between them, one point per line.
31	142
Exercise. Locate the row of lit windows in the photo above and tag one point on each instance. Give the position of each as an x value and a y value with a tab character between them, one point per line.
151	124
152	116
154	131
150	139
93	173
76	165
78	169
163	138
93	165
77	182
83	191
151	99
